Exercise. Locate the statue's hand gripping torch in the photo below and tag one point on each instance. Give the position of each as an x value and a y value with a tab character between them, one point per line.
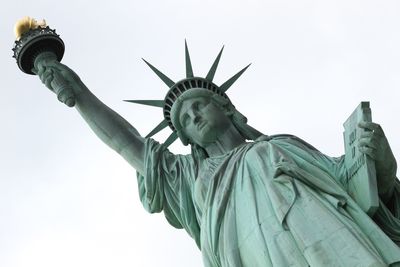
37	46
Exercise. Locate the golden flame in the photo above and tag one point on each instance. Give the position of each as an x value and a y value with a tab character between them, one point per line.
25	24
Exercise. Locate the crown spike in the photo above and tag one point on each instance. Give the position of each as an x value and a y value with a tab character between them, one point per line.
211	72
225	86
189	69
171	139
158	128
153	103
163	77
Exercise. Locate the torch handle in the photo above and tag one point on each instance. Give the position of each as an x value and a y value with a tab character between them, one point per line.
60	86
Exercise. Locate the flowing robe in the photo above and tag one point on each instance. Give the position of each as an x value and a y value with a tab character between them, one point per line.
276	202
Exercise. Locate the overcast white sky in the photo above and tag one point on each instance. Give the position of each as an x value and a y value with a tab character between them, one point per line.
68	200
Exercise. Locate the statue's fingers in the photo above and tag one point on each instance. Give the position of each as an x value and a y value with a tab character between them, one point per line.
370	139
45	70
48	81
367	151
45	76
67	97
368	142
372	126
368	125
62	96
40	70
59	66
366	134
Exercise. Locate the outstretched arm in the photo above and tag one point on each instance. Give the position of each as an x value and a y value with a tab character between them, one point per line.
110	127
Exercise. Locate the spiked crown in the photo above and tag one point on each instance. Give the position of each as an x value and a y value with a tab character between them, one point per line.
178	88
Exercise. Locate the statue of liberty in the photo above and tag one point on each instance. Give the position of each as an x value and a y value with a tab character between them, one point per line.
247	199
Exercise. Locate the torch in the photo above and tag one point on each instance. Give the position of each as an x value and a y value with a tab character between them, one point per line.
36	46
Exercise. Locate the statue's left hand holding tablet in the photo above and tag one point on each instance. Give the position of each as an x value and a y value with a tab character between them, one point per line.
374	143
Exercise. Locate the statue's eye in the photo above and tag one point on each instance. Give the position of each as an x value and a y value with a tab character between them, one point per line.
185	120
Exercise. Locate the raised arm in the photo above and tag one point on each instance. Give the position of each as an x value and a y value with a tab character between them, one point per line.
110	127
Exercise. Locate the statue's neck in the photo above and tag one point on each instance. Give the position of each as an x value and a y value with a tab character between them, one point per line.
227	141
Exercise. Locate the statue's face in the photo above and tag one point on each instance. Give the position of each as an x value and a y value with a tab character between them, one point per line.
202	120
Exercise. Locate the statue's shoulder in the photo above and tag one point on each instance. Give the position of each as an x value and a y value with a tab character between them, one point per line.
287	139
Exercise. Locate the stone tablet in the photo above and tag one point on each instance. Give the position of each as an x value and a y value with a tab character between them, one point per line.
361	175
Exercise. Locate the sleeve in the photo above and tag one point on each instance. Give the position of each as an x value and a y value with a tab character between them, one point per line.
166	186
388	215
304	153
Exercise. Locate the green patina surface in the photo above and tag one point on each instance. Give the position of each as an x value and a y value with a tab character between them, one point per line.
248	199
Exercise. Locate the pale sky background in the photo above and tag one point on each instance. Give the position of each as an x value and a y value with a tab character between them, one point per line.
66	199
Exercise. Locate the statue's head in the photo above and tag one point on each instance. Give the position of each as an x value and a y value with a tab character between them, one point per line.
196	109
199	116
